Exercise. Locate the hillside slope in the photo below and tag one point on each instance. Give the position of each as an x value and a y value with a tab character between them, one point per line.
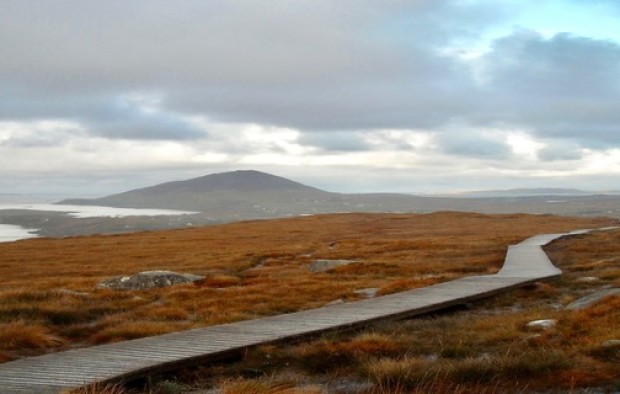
248	195
240	191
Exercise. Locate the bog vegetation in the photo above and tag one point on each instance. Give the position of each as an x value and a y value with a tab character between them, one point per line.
486	348
48	299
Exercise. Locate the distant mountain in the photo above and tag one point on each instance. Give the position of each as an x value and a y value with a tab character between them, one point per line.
247	195
228	190
531	192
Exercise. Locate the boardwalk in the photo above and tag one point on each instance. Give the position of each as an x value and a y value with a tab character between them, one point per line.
525	263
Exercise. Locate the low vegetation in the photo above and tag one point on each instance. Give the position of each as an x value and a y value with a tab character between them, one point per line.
48	300
486	348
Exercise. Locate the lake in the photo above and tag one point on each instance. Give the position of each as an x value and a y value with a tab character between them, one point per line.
10	232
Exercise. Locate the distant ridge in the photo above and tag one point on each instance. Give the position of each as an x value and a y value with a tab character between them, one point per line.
241	181
249	195
216	191
530	192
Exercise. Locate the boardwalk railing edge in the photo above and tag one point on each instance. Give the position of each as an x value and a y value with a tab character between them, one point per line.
525	263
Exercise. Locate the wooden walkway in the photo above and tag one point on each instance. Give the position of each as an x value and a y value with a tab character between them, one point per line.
525	263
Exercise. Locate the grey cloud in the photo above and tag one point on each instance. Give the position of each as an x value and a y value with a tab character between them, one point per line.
125	119
566	86
560	152
104	115
320	66
473	144
336	141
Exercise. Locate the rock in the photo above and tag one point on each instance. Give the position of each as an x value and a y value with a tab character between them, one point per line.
368	293
431	357
544	324
326	265
533	337
147	280
588	279
336	302
591	299
67	292
611	343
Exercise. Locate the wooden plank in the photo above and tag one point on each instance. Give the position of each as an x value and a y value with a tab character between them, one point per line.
524	263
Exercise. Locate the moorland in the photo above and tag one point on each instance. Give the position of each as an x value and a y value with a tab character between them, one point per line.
48	300
485	347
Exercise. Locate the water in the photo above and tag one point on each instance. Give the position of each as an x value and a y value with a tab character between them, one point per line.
9	232
87	211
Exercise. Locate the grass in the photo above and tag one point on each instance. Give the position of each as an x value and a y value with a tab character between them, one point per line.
99	388
245	266
486	349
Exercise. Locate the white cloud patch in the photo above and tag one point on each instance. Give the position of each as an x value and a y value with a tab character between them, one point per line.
400	139
601	162
37	134
523	144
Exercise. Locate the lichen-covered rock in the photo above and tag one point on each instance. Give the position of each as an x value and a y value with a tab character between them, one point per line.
592	299
615	343
543	324
326	265
148	280
339	301
588	279
368	293
71	293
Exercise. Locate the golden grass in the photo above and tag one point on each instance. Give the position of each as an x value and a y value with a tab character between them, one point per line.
264	386
251	269
99	388
18	335
488	349
582	256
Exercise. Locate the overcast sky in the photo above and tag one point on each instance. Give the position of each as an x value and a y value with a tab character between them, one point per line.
347	95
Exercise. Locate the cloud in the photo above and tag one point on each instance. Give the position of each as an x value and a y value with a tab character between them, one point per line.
611	4
473	143
377	84
329	66
140	116
562	87
322	66
338	141
564	152
38	134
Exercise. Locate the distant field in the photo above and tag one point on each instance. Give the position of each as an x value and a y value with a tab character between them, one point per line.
252	269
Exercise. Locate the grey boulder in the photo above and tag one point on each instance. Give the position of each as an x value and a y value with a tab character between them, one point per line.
326	265
592	299
148	280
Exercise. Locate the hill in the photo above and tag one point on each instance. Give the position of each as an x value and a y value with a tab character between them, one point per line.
242	195
248	195
241	191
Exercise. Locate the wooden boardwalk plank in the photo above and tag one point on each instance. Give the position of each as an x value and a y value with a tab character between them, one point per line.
51	373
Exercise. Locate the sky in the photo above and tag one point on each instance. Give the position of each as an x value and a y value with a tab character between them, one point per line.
417	96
